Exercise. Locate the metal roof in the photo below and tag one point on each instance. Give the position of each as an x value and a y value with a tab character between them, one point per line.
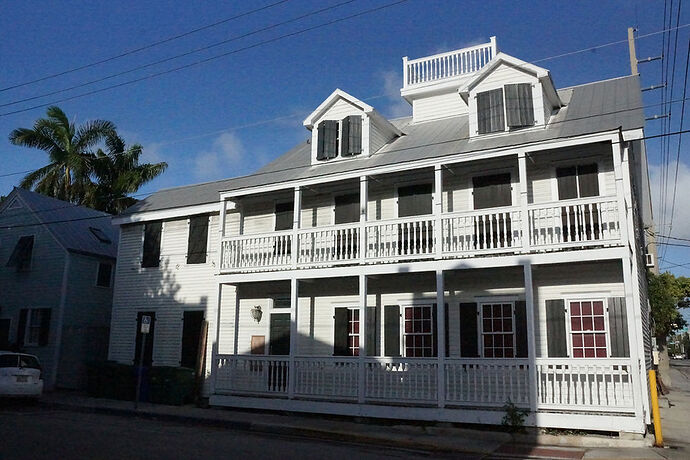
70	224
594	107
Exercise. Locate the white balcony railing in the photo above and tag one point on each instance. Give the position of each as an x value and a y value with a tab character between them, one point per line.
395	379
492	382
447	65
580	223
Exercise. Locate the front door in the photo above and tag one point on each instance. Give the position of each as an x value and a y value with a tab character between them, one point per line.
191	334
279	334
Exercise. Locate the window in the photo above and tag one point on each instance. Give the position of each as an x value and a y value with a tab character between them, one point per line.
588	329
418	331
284	215
281	302
197	239
104	275
339	137
346	331
578	181
415	200
492	191
347	208
100	235
21	255
33	327
498	336
152	244
519	108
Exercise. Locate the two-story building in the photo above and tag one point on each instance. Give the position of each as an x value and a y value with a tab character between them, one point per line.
487	249
56	283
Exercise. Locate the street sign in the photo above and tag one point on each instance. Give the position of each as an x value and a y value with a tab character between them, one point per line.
145	324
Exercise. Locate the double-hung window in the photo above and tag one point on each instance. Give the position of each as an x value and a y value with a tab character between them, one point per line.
418	335
33	327
588	328
346	331
104	275
498	332
511	105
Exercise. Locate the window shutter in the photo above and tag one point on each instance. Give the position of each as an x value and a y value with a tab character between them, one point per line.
352	135
21	255
372	331
555	329
521	329
496	110
567	182
492	191
321	141
21	326
468	330
340	336
519	105
588	177
330	146
284	215
483	116
447	350
152	244
197	240
391	324
345	136
618	326
347	208
45	327
415	200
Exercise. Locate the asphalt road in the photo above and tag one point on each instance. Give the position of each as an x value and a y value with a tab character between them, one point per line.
36	432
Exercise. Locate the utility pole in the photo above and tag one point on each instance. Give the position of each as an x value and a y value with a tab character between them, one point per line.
633	54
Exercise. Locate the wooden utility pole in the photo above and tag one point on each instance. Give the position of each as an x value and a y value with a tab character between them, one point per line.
633	54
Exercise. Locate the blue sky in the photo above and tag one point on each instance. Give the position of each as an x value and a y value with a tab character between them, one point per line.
232	115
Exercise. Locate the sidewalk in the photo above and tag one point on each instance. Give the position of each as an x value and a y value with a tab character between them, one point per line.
675	412
440	439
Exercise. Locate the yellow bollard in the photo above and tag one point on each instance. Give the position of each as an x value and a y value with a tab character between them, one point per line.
658	437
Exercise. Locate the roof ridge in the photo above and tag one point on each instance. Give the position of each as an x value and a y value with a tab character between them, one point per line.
595	82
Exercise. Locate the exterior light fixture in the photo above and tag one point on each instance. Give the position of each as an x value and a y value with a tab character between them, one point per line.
256	313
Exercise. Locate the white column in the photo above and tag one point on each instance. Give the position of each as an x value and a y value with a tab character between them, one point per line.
237	319
294	300
438	209
531	339
221	232
405	72
216	343
296	218
363	209
441	340
524	202
362	337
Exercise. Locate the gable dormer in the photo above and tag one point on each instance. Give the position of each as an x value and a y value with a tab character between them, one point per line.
509	94
343	127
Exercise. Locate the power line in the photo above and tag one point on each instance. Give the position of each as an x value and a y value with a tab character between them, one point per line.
142	48
177	56
211	58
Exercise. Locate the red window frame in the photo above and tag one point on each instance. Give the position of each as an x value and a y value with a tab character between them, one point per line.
588	328
498	329
418	331
353	331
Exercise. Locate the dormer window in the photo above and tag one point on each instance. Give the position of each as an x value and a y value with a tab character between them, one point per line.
339	137
493	110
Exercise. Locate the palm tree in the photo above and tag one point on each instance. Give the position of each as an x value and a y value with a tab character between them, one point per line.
67	176
117	174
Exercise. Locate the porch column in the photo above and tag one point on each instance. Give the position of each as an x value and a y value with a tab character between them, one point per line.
294	297
296	217
216	342
441	340
362	337
524	202
235	346
531	340
363	209
221	232
438	210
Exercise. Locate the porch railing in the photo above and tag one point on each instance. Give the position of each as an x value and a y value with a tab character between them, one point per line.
262	375
491	382
338	243
327	377
257	251
400	238
393	379
484	230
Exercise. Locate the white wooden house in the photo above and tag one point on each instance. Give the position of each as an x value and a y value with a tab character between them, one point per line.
488	248
56	283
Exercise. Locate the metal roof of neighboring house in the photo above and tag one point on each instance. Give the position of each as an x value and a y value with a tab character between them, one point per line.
70	224
593	107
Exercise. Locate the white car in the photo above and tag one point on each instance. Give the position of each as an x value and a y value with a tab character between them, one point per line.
20	375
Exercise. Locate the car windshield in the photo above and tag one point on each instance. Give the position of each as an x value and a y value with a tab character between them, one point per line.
8	360
29	361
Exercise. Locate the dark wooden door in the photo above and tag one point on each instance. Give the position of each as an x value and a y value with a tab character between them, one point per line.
4	334
191	333
279	337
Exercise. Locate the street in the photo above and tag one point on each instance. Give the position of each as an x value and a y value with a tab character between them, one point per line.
39	433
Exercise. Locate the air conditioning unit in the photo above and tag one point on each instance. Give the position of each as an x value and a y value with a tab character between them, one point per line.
649	260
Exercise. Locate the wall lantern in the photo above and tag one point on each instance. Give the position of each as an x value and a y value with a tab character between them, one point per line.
256	313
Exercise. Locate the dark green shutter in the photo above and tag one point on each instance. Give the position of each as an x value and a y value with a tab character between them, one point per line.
352	135
21	326
496	110
197	239
519	105
492	191
340	335
556	339
520	329
345	136
468	330
618	327
152	244
415	200
279	334
483	116
21	255
372	322
320	141
330	136
567	182
347	208
284	215
588	178
391	325
44	332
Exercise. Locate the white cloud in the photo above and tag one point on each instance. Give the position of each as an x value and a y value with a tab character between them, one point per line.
395	106
225	156
681	213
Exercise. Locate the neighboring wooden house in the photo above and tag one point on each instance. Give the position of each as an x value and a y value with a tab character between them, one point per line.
488	248
56	282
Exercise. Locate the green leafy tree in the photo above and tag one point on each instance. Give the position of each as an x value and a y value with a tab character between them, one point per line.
667	294
67	176
118	174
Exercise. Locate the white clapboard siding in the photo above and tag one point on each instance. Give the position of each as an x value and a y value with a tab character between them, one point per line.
438	106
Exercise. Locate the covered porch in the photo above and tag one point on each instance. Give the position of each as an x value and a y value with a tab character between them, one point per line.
551	339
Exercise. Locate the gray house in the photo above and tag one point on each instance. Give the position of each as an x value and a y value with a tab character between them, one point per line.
56	267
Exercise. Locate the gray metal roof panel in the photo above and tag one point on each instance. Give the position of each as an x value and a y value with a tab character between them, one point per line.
591	108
